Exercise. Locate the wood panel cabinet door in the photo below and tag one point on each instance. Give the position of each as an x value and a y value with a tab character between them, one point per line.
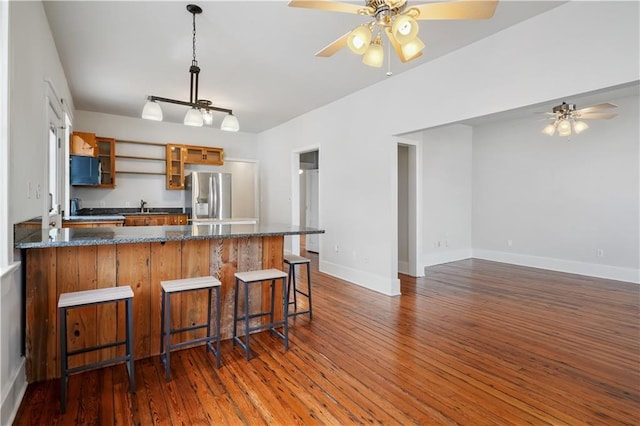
136	220
175	166
203	155
177	219
106	148
83	143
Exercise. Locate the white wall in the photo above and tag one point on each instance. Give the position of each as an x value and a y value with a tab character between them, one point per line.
33	59
130	188
559	201
446	194
514	68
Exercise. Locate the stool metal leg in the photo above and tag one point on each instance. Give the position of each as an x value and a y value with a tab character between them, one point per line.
285	313
63	360
246	321
218	327
235	312
309	289
132	379
167	337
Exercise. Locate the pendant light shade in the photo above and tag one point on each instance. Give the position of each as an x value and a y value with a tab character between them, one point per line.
193	117
404	29
230	123
374	55
359	39
564	128
152	111
549	129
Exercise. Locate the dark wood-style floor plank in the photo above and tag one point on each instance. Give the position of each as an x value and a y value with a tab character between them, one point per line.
473	342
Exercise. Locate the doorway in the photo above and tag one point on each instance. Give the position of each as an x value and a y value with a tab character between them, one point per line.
408	222
309	173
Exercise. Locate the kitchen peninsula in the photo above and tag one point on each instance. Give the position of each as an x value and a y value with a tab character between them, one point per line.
73	259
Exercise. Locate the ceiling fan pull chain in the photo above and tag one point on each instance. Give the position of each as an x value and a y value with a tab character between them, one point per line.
389	73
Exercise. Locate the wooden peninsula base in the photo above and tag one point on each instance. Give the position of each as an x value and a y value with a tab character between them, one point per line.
55	270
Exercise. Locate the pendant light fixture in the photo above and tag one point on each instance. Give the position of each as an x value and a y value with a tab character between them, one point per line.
200	110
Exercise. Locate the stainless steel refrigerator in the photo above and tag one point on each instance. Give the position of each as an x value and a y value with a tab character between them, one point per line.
208	195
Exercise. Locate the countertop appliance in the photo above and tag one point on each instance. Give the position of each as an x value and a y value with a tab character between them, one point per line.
208	195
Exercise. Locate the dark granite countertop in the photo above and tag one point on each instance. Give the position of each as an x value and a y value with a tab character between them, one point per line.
26	238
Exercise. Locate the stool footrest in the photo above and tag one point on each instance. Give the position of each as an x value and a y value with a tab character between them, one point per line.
193	342
94	365
189	328
96	348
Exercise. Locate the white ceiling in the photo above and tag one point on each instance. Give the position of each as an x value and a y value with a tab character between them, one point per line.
256	57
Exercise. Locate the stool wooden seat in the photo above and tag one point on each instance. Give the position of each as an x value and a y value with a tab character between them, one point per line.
80	299
292	260
170	287
252	277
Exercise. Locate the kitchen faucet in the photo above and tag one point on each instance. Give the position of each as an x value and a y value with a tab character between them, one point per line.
142	204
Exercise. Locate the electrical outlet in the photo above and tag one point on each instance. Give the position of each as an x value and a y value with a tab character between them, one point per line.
127	204
510	243
600	253
337	248
102	203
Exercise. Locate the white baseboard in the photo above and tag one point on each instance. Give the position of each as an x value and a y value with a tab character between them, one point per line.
12	399
364	279
403	267
441	257
561	265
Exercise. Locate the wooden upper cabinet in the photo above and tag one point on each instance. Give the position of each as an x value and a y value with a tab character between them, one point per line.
203	155
106	148
83	143
175	167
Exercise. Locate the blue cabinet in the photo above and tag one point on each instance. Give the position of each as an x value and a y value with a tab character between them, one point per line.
84	170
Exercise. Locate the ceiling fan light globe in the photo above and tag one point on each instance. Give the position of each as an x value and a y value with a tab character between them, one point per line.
564	128
412	49
580	126
193	117
404	29
230	123
359	39
152	111
374	56
549	130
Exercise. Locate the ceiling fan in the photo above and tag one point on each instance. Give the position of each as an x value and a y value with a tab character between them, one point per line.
567	118
397	19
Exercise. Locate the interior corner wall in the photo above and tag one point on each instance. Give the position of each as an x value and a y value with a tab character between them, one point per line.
567	204
446	186
513	68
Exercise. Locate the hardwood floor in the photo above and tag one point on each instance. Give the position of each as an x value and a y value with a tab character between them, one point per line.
474	342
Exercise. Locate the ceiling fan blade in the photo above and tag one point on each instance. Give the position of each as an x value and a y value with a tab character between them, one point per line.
596	116
396	45
331	6
334	47
461	9
598	107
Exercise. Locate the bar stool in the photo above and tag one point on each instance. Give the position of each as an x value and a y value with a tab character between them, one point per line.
81	299
170	287
252	277
292	260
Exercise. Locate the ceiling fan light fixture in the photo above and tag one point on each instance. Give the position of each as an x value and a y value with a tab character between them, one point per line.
404	29
193	117
580	126
152	111
374	56
230	123
359	39
412	48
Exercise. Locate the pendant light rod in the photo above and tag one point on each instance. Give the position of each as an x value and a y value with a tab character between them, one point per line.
199	105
